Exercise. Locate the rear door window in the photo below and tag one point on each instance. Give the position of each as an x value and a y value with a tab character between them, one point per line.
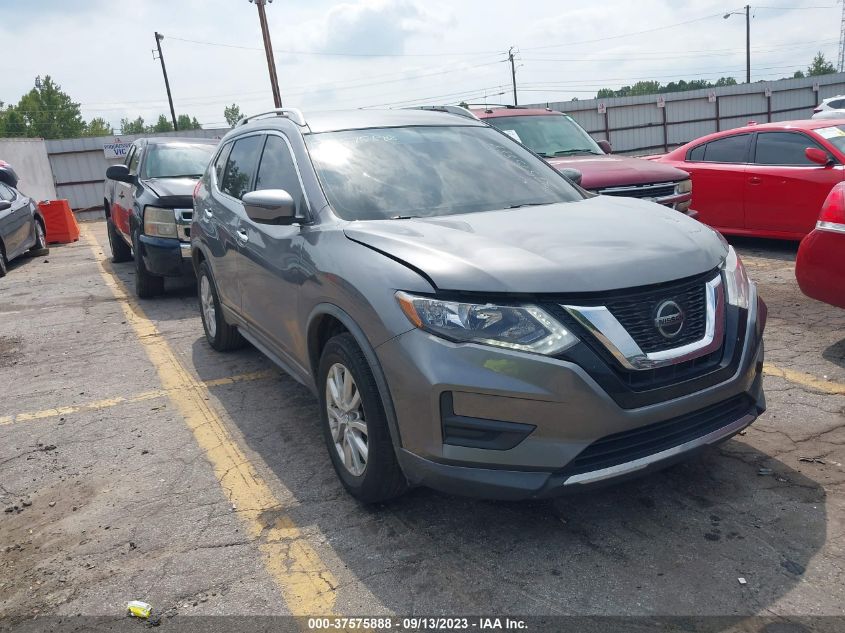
783	148
220	163
837	104
731	149
241	166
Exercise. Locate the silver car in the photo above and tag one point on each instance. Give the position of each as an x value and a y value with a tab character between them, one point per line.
469	319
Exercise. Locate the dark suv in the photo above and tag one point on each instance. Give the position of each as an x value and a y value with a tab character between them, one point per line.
469	319
148	207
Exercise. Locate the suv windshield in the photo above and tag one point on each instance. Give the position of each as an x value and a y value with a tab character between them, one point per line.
377	174
177	159
549	136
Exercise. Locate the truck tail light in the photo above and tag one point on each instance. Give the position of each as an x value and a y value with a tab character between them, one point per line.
816	110
832	217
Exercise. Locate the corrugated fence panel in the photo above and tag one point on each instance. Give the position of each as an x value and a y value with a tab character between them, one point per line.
636	123
79	165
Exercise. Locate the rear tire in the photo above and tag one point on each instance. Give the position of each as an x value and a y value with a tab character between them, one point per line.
147	285
120	251
40	247
219	334
357	420
3	262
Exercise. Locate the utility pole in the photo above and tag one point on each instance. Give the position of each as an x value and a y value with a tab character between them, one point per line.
268	49
747	8
841	65
160	37
513	74
748	43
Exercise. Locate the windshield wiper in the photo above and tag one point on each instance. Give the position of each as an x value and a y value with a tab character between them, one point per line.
528	204
403	217
180	176
570	152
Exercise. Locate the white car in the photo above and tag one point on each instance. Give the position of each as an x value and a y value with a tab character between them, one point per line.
831	108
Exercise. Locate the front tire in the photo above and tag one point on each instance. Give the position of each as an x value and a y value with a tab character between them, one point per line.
147	285
219	334
40	247
120	251
355	425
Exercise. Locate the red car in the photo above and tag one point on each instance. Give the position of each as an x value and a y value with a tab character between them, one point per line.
566	145
766	180
820	267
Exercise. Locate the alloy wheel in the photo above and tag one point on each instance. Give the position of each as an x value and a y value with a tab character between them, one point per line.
346	419
209	312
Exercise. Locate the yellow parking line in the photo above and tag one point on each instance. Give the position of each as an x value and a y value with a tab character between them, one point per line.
113	402
91	406
304	580
805	380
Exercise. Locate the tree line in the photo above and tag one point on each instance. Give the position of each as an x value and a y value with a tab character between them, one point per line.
819	66
48	112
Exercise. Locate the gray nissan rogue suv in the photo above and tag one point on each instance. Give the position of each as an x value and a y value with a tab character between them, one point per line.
469	319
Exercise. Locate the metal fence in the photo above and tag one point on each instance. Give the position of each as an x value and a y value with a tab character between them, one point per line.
79	166
652	124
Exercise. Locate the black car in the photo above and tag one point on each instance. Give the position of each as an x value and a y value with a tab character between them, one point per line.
22	228
149	207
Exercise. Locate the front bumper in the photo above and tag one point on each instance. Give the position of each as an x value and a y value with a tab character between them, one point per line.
485	422
166	256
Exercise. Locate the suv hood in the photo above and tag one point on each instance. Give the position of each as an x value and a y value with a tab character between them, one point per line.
174	192
592	245
612	170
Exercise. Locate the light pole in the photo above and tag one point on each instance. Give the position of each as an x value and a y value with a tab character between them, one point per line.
747	39
160	37
268	49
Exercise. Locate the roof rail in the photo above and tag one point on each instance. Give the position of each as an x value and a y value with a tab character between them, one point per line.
290	113
451	109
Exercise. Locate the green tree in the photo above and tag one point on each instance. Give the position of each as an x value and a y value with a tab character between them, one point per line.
98	127
185	122
162	125
46	111
820	66
232	114
132	127
799	74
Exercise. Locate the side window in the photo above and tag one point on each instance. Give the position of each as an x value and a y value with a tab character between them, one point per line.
696	153
731	149
240	168
133	162
277	170
837	104
220	163
6	193
783	148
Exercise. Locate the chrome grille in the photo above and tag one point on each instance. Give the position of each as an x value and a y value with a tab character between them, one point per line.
653	191
183	224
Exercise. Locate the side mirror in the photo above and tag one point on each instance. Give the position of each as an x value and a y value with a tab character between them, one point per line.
120	173
572	174
270	206
605	146
5	204
818	156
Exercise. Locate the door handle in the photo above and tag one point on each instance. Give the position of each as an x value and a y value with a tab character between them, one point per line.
755	180
242	235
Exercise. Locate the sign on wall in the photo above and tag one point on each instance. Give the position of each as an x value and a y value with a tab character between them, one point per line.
117	149
602	108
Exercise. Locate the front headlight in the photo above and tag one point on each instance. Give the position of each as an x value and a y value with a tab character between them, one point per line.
737	285
525	327
159	222
684	186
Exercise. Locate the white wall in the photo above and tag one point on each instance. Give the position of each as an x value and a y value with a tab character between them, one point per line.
28	156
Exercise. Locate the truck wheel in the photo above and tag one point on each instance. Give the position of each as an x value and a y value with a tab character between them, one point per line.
219	334
3	262
120	251
147	285
354	424
40	247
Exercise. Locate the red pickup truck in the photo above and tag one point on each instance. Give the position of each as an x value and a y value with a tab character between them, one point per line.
566	145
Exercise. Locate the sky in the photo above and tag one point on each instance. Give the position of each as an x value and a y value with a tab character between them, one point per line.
390	53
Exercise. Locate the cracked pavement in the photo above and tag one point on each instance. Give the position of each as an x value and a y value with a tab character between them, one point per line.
118	502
